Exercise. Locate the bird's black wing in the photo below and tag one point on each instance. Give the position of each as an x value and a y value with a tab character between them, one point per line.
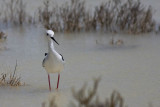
43	63
62	57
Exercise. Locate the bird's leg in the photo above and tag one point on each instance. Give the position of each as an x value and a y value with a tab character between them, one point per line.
49	82
58	80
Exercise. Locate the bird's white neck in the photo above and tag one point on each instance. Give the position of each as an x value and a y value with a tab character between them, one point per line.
50	45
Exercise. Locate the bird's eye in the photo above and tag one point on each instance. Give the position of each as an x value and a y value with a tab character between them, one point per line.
47	34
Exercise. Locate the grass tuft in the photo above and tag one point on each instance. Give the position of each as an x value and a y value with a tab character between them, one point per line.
11	79
86	97
3	35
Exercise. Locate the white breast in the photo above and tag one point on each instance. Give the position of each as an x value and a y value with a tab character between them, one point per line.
53	63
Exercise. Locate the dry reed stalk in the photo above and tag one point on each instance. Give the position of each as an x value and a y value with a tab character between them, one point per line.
11	79
130	16
85	98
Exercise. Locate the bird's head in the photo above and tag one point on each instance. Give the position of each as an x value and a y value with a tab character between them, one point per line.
50	35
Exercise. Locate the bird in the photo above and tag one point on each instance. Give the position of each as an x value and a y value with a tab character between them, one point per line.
53	61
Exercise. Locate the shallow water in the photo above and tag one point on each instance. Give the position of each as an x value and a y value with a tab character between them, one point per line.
132	69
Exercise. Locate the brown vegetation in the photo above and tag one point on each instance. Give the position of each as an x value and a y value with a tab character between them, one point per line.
130	16
113	16
11	79
3	35
87	98
14	12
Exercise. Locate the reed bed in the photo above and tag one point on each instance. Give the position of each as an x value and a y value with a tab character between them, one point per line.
112	16
115	16
11	79
14	12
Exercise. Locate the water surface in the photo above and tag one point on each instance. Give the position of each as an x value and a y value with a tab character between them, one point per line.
132	69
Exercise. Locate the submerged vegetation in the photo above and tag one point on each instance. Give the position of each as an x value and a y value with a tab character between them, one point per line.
11	79
130	16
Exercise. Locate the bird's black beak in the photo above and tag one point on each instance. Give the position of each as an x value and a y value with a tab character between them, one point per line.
54	40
